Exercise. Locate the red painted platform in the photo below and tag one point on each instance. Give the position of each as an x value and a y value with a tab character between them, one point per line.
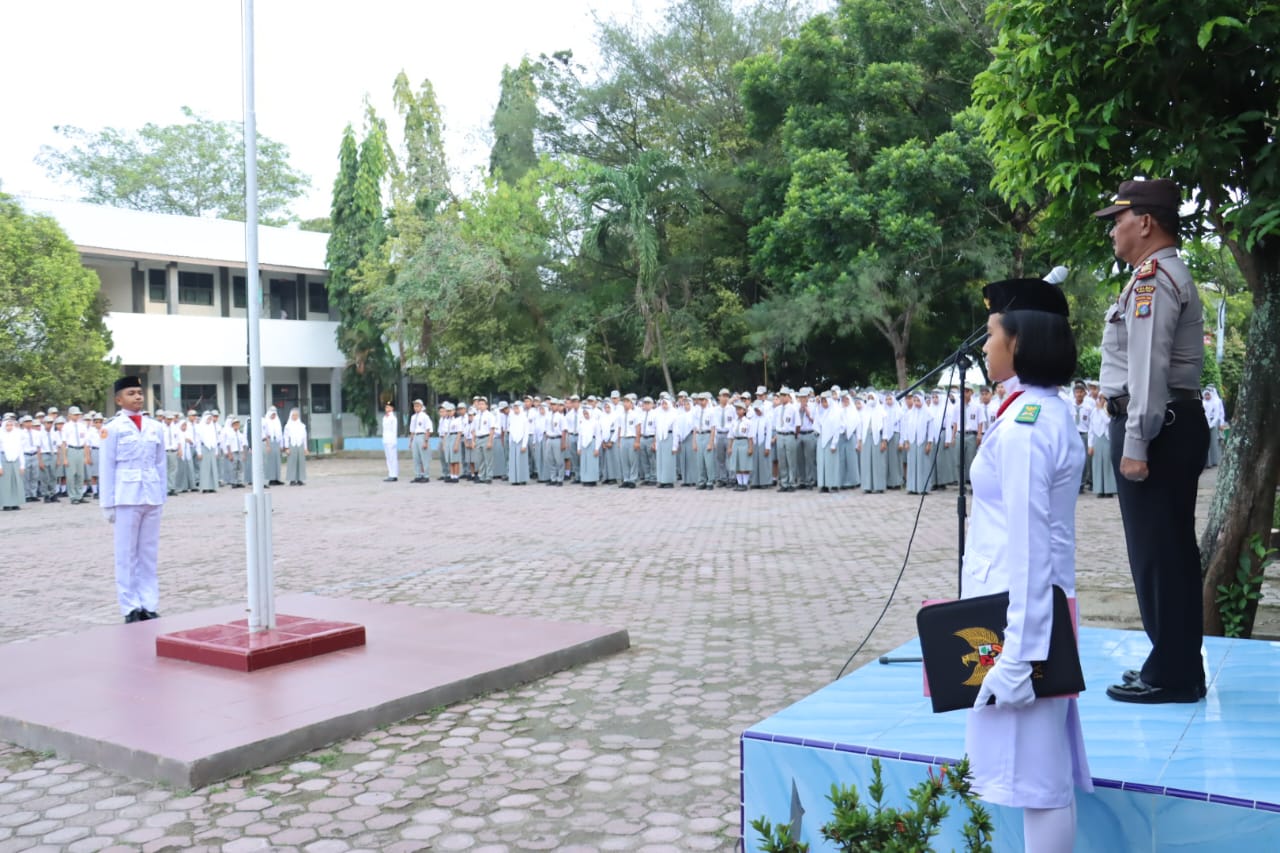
231	645
104	697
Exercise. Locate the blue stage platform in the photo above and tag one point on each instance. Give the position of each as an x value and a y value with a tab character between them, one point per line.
1202	777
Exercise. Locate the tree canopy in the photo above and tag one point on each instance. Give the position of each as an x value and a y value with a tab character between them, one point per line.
192	168
1081	96
53	342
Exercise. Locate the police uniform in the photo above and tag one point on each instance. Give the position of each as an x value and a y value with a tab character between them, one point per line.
1152	356
1026	752
133	485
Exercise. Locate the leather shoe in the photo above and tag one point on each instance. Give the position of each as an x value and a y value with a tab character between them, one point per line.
133	616
148	615
1132	675
1139	692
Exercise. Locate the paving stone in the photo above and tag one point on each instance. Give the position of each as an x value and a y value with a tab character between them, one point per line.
635	752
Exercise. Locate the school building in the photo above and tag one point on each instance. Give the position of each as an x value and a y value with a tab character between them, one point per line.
176	293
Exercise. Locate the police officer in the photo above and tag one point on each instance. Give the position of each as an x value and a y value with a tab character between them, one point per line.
1152	355
132	497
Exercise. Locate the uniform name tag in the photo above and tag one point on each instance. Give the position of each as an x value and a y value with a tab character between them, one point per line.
1030	414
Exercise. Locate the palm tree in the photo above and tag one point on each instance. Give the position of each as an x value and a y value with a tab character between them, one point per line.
627	207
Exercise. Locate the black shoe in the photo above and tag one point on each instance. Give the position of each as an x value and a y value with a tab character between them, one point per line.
1139	692
133	616
148	615
390	479
666	485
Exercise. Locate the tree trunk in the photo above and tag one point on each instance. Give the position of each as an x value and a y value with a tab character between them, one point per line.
662	355
1246	492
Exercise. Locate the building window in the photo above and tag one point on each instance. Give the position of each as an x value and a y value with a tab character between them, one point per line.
321	398
317	298
242	398
195	288
202	398
157	286
283	294
284	398
239	297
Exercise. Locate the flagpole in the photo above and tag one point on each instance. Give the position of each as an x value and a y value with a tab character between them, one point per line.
262	611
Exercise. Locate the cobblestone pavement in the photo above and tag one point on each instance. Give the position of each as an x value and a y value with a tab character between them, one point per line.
738	604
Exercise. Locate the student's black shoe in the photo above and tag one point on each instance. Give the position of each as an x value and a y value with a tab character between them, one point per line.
133	616
390	479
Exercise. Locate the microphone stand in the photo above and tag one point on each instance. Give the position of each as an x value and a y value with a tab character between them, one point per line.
961	361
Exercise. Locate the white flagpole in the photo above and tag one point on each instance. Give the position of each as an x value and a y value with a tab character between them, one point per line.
262	610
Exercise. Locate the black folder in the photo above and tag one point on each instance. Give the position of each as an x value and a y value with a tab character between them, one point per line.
960	640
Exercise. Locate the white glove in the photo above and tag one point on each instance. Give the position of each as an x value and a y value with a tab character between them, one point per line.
109	514
1009	681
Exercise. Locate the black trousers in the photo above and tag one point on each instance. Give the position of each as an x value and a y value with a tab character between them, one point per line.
1160	531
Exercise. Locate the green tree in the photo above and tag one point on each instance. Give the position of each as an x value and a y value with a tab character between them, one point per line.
671	90
1080	96
886	210
193	168
358	232
631	205
514	122
53	342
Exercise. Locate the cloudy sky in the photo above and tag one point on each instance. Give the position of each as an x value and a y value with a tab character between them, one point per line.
94	64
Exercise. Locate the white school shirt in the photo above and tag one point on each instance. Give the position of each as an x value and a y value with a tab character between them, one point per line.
390	429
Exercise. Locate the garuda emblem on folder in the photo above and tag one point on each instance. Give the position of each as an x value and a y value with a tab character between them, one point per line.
986	648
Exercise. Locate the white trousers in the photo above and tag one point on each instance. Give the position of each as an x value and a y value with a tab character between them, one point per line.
137	537
393	460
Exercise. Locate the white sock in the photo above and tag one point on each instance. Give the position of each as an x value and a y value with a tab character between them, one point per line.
1049	830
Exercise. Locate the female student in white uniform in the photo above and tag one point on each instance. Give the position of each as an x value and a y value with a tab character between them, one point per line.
295	448
1026	752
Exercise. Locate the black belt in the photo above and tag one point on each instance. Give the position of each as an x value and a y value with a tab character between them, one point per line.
704	432
649	436
806	432
1118	406
32	453
75	446
573	435
971	432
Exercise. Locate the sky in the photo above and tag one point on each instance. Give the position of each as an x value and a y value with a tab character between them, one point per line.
121	64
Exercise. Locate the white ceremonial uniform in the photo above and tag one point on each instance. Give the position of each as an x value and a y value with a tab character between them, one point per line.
390	431
1022	540
132	482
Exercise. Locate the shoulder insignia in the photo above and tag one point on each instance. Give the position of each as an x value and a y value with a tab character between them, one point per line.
1030	414
1144	289
1147	270
1142	306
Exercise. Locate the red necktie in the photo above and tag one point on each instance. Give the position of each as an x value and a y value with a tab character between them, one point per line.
137	421
1015	395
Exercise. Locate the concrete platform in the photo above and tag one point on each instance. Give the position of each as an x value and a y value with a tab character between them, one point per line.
104	697
232	645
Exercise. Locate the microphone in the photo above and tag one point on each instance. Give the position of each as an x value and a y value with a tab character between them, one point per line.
1057	275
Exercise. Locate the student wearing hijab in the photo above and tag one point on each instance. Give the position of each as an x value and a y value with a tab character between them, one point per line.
873	447
588	447
272	441
207	452
1027	752
1215	416
1104	473
13	465
518	445
295	448
828	427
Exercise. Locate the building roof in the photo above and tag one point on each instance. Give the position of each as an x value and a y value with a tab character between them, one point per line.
104	231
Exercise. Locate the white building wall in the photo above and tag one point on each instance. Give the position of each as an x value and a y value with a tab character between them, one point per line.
218	341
